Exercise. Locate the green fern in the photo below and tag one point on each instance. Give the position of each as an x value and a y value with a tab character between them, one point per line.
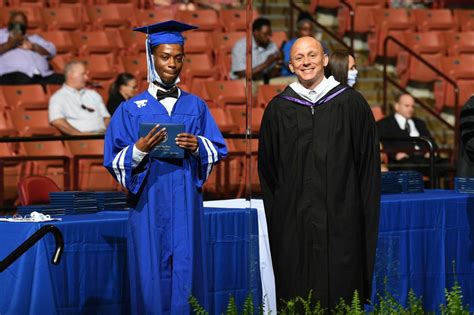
248	305
454	304
289	307
341	308
197	308
356	308
231	307
415	304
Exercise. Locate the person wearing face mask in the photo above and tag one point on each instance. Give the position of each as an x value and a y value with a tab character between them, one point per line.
123	88
166	243
319	168
342	67
24	57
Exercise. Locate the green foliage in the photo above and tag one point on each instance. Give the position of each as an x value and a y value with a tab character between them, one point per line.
454	304
197	308
231	307
415	304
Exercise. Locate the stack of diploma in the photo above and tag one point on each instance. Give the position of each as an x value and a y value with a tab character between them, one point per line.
464	185
74	202
402	182
44	209
111	200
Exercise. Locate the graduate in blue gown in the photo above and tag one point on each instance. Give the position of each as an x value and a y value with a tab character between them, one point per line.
166	244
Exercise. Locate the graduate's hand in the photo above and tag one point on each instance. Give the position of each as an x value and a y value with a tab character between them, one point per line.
153	138
187	141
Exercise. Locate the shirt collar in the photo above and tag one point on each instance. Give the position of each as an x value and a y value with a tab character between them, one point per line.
401	120
313	95
73	90
153	88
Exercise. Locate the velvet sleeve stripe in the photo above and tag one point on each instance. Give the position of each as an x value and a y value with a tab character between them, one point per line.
211	154
467	113
466	125
118	166
467	136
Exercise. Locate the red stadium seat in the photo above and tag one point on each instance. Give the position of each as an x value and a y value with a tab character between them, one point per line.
135	65
224	120
362	12
70	18
326	4
388	22
377	112
198	43
279	38
34	190
460	43
25	96
464	19
197	69
444	93
226	93
238	114
235	20
92	174
95	42
146	17
62	40
222	46
133	42
111	16
266	92
33	122
434	20
206	20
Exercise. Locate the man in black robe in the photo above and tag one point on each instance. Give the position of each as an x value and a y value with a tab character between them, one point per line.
319	168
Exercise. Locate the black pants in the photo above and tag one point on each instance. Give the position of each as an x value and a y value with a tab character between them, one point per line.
19	78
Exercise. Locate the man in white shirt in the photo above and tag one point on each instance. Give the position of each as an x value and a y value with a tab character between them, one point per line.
74	109
403	124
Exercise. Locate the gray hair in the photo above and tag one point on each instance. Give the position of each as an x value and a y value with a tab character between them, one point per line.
71	64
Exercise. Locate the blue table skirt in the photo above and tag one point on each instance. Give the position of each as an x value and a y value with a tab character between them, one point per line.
420	235
425	241
92	277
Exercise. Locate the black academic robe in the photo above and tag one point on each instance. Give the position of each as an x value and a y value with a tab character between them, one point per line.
466	147
320	176
388	127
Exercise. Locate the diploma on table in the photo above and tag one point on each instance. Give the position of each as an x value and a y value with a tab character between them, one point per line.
168	149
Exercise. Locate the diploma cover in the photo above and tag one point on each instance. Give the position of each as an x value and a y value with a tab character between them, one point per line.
168	149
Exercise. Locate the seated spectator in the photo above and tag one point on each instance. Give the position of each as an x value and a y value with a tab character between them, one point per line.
342	67
123	88
74	109
305	27
24	57
266	58
403	124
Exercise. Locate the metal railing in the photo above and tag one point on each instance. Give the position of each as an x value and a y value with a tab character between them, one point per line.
387	79
32	240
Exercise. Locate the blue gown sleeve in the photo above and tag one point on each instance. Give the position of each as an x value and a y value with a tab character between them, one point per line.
212	147
120	138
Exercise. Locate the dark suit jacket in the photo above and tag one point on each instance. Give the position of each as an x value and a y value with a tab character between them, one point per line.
388	127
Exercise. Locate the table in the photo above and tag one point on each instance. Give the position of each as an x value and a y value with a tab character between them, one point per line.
92	277
420	236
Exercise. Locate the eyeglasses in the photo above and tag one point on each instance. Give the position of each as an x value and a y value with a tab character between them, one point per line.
300	58
90	110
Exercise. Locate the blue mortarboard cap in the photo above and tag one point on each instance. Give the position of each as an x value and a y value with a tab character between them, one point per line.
168	32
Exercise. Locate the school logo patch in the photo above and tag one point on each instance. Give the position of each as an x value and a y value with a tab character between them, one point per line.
141	103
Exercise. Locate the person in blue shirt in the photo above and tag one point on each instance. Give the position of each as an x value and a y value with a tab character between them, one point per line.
166	242
304	27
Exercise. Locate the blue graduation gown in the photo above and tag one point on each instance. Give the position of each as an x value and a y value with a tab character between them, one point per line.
166	243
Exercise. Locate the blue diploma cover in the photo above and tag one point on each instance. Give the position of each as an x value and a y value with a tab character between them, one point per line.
168	149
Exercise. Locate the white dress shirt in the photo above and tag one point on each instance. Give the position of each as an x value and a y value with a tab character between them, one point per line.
319	91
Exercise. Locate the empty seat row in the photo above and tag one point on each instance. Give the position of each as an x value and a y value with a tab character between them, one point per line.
124	15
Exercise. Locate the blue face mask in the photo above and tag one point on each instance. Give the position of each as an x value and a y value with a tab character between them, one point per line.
351	77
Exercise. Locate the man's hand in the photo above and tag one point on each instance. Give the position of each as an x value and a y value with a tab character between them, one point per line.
401	156
153	138
27	45
187	141
275	57
15	40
